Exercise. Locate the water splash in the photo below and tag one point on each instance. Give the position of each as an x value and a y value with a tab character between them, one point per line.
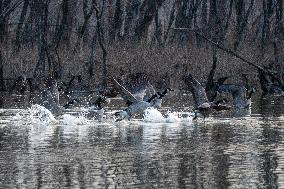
73	120
154	116
40	115
173	117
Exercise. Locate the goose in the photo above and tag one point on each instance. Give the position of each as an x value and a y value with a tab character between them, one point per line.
212	85
202	106
241	98
139	86
136	104
75	90
156	99
21	85
50	95
96	110
269	86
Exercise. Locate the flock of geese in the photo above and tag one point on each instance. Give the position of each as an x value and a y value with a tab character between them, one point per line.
139	94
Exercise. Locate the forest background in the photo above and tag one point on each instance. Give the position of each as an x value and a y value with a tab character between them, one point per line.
163	38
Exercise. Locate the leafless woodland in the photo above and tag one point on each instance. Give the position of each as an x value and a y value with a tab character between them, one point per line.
164	38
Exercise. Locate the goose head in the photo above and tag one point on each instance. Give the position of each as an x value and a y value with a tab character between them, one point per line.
121	115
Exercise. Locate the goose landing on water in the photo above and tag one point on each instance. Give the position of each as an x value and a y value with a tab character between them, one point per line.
202	106
136	104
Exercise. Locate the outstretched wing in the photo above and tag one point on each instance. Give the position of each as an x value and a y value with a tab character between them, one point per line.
125	94
139	86
198	92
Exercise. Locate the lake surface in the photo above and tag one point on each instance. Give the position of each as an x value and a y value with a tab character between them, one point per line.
37	151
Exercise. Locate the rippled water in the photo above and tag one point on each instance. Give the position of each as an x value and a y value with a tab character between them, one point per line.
40	151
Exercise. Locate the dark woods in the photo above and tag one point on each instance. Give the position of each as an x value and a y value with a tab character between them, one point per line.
101	38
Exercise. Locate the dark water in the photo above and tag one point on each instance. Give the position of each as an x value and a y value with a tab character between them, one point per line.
218	153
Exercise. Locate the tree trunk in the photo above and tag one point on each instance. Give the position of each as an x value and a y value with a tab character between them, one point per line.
91	62
63	28
242	18
42	21
171	21
101	43
29	34
21	24
2	84
278	31
148	11
158	35
117	21
4	19
268	7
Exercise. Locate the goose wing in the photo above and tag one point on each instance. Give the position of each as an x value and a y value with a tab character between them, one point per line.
198	92
139	85
126	95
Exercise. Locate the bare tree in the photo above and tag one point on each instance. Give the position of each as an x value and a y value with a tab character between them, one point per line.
99	14
117	21
242	20
87	15
6	8
2	86
42	22
148	10
278	30
268	8
21	23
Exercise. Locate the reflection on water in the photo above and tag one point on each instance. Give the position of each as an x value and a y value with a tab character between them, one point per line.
217	153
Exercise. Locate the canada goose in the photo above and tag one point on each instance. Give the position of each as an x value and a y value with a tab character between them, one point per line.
50	95
156	99
21	85
75	89
201	103
269	86
96	110
139	86
241	95
211	86
137	104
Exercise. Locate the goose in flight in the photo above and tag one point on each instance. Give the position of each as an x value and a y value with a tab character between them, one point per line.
139	86
137	103
211	87
201	103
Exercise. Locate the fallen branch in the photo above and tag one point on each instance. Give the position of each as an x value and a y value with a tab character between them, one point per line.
233	53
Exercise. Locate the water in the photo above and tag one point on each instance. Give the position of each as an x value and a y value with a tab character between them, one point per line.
163	150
